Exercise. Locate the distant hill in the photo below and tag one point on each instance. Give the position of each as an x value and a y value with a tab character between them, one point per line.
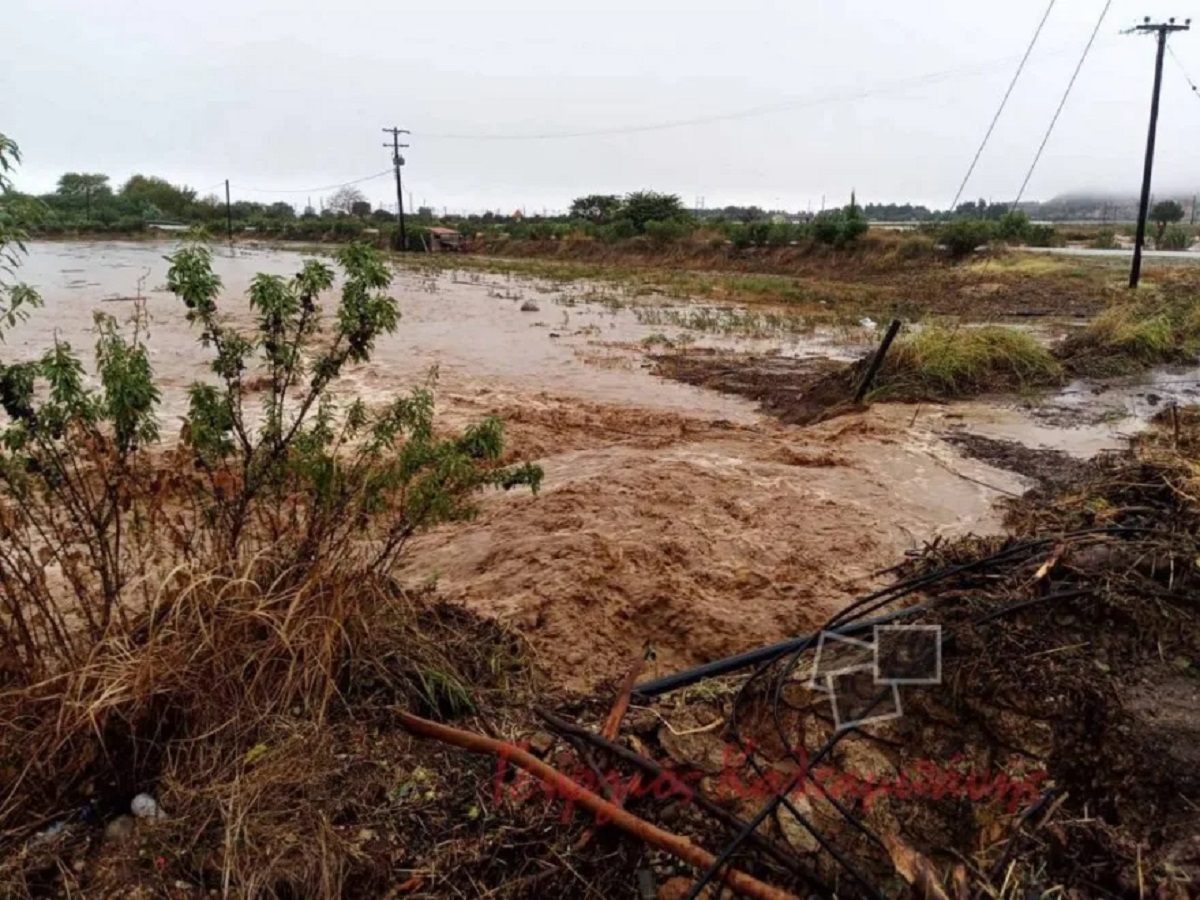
1096	207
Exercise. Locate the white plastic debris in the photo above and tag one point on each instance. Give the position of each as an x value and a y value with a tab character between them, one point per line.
144	806
867	322
49	833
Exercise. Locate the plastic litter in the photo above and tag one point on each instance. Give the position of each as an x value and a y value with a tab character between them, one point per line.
47	833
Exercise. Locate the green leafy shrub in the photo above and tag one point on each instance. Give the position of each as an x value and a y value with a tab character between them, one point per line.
1175	237
303	483
1013	227
962	237
1105	239
669	231
1042	236
838	227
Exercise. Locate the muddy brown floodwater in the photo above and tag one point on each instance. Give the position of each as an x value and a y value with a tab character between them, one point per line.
670	514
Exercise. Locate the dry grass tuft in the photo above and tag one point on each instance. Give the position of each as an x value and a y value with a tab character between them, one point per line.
1156	328
233	701
939	363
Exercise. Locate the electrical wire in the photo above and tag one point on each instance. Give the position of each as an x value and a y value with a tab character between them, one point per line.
1012	84
793	103
1062	103
314	190
1187	78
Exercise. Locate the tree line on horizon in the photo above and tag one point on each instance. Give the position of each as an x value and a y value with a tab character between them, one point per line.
88	202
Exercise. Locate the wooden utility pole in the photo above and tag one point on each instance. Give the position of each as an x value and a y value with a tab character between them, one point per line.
397	162
1162	29
228	214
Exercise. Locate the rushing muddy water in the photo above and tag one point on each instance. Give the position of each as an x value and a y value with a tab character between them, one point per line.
670	514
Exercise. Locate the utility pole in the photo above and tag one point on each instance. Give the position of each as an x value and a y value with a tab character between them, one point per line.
397	162
228	214
1162	29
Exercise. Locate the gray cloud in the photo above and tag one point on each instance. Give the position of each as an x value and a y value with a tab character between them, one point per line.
273	96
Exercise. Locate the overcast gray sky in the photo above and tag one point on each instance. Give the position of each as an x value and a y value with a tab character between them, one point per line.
889	97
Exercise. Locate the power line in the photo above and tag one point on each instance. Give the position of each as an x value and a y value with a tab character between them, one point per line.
1187	78
793	103
1012	84
1062	102
314	190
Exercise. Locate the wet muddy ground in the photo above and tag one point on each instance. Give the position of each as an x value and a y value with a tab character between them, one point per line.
672	514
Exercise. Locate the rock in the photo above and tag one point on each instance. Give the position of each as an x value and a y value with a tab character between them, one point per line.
529	306
540	743
704	751
143	806
798	837
119	829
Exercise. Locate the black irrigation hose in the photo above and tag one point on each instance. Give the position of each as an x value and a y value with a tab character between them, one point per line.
794	650
768	654
893	592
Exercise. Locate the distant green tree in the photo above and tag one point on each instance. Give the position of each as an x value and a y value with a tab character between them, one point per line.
157	196
641	207
281	210
82	185
598	208
344	198
360	208
1163	214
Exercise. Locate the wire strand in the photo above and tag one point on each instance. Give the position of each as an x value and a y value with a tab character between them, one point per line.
793	103
314	190
996	118
1062	103
1187	78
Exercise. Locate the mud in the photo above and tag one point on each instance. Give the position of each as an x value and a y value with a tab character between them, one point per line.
795	391
1048	467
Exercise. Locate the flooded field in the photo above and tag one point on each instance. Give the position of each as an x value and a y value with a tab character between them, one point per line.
671	514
